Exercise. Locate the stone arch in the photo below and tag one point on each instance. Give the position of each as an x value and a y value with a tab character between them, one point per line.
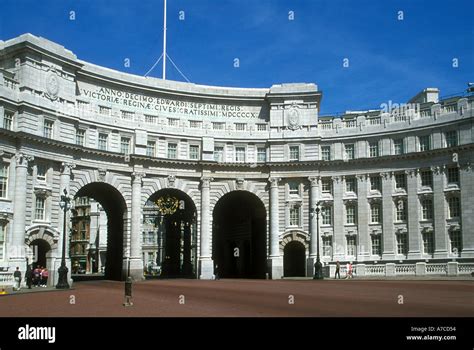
42	232
294	235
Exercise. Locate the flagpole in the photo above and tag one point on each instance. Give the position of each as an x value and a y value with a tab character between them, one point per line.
164	41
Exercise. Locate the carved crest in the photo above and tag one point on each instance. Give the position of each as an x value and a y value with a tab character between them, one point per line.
293	117
52	85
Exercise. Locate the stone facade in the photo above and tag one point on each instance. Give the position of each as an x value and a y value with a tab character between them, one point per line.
394	185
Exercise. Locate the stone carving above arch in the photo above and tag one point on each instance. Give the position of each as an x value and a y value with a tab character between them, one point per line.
44	232
294	236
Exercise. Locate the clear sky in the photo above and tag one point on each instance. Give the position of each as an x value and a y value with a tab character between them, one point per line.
391	55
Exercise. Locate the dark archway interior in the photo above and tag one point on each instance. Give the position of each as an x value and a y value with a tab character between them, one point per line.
239	236
114	205
294	260
40	248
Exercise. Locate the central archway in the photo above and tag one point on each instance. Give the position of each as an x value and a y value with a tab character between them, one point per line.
239	236
294	259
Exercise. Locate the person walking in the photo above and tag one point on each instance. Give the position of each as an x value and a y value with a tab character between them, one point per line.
44	277
216	272
17	277
338	269
37	276
29	276
349	270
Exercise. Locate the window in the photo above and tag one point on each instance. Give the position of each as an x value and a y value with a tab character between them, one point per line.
41	172
376	245
326	213
240	126
428	243
450	108
195	124
425	143
8	120
152	119
150	148
349	151
173	121
326	152
127	115
351	245
373	149
327	246
375	212
48	129
172	150
104	110
218	153
326	185
398	147
3	180
454	207
39	208
3	233
261	127
295	216
351	184
217	126
400	181
427	209
240	154
294	188
150	257
193	152
103	142
453	175
294	153
401	210
125	145
80	137
402	245
375	183
456	242
261	154
451	138
426	178
350	214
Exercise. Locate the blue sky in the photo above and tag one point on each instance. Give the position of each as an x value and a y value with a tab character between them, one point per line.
389	59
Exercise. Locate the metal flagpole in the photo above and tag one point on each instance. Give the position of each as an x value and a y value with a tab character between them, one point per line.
164	41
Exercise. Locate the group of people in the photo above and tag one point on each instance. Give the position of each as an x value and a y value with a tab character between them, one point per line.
37	277
349	270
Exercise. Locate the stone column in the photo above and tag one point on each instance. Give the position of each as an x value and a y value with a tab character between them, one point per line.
363	218
387	217
466	178
205	260
136	258
439	208
275	261
17	253
337	218
414	251
313	232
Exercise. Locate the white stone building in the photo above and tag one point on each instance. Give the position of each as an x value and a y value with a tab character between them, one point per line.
237	173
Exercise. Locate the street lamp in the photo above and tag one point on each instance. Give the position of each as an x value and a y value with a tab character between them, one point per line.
318	267
65	205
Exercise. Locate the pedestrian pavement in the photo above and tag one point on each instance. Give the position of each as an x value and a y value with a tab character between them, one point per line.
394	278
25	290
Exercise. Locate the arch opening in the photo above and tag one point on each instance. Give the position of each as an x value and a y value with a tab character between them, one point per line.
294	259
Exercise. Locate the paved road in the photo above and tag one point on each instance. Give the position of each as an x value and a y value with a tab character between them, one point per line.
251	298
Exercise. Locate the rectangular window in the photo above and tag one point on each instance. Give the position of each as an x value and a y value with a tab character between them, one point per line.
326	185
261	154
3	180
294	153
3	233
295	216
193	152
326	152
428	243
125	145
217	126
351	245
376	245
451	138
48	129
375	211
454	207
127	115
41	172
456	242
103	142
400	181
326	213
39	208
351	184
240	126
261	127
218	153
152	119
426	178
453	175
172	150
401	210
375	183
402	244
195	124
398	147
294	188
373	149
150	148
240	154
350	214
80	137
427	209
425	143
105	110
173	121
327	246
8	120
349	151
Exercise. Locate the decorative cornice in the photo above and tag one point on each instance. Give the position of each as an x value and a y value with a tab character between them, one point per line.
206	181
336	178
23	159
274	181
386	175
137	176
67	167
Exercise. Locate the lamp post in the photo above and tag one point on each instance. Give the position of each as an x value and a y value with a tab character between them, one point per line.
65	205
318	267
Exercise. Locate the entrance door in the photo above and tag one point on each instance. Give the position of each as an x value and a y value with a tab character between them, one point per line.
294	260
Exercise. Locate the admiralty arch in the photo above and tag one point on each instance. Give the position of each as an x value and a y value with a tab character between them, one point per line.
234	180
